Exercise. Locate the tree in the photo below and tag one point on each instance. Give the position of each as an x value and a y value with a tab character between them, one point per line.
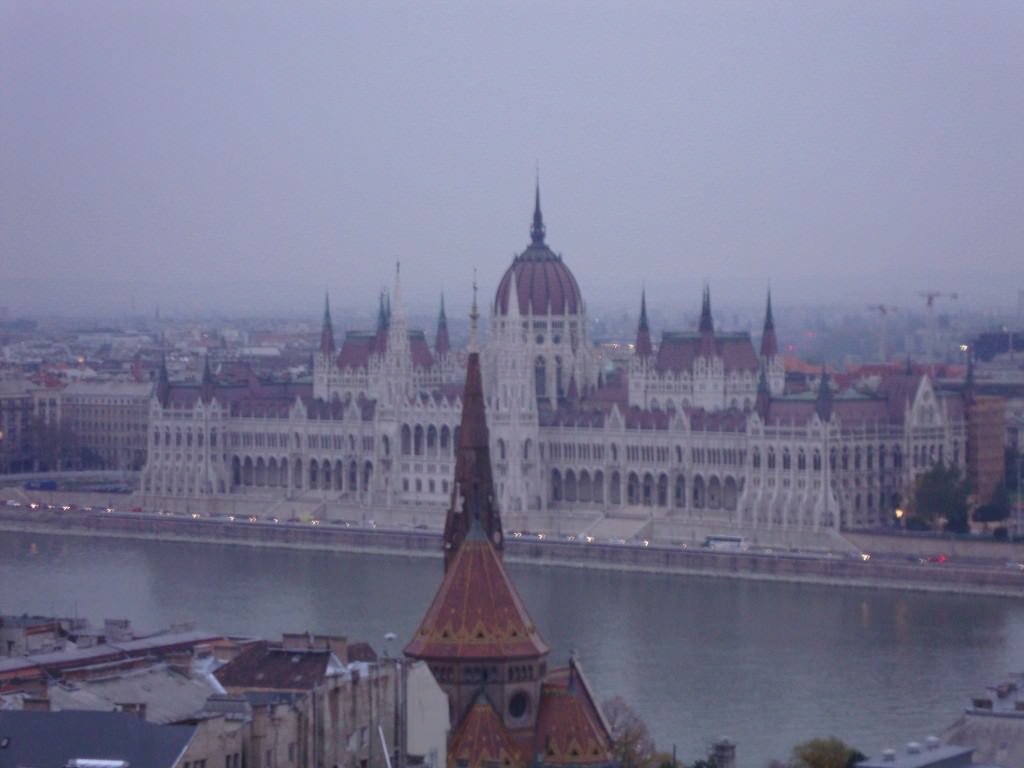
996	510
825	753
941	492
634	747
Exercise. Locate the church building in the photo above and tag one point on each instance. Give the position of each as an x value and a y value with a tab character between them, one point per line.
507	708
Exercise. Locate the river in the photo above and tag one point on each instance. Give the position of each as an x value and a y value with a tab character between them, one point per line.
766	664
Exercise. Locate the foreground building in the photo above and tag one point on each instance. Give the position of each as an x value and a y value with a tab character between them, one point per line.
506	707
698	430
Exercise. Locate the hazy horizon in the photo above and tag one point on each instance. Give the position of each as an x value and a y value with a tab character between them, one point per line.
247	157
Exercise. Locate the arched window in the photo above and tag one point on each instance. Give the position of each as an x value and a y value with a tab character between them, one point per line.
540	376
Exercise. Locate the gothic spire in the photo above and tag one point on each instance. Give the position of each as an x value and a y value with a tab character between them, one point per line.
769	344
537	231
707	325
473	498
442	345
327	330
643	333
474	315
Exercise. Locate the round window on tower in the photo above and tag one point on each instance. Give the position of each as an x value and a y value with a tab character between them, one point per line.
519	704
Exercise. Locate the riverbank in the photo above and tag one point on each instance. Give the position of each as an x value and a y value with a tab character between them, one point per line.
838	571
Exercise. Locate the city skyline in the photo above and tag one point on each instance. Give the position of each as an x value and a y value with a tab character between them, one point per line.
207	159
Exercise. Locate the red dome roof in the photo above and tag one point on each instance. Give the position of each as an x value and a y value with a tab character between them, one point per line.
544	284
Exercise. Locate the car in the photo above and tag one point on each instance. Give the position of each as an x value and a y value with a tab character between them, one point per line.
137	509
938	559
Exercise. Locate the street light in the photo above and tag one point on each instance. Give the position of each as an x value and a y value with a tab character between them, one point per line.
899	513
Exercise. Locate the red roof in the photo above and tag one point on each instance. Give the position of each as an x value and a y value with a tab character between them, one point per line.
482	739
570	728
678	351
477	612
545	284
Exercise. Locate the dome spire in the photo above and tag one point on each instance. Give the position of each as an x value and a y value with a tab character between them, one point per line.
537	231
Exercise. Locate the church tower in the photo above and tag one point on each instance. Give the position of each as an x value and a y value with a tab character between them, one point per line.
771	361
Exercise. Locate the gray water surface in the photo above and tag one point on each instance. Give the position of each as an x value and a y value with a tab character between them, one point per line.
766	664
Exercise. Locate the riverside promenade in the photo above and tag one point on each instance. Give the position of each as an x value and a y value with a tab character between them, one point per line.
887	570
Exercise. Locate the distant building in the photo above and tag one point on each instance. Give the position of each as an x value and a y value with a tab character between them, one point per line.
993	725
932	754
696	429
110	419
15	424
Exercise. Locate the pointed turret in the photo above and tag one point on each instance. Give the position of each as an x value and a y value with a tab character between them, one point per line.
769	344
442	346
643	332
707	326
327	347
473	497
823	402
537	231
381	340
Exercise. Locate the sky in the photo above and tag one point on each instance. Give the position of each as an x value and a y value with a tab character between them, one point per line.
246	157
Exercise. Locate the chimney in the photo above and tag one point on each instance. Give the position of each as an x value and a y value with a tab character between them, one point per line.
36	704
137	708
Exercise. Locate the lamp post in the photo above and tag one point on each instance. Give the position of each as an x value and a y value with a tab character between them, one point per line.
899	514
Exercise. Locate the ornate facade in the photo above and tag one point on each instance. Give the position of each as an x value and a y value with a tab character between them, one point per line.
698	427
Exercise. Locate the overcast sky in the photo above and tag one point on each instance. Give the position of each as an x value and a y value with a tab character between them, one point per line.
251	155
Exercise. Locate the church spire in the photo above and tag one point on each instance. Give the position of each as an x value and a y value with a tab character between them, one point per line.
769	344
327	330
707	325
473	498
442	345
537	231
643	333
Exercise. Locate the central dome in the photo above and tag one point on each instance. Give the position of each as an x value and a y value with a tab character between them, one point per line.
545	286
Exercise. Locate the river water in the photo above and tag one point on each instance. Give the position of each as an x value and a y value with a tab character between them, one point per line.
766	664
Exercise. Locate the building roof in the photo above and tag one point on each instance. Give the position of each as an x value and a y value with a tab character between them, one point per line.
570	727
168	695
679	351
482	740
477	612
53	739
264	667
544	284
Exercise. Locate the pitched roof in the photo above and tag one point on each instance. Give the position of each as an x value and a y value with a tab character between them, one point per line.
679	350
56	738
263	667
477	612
570	728
482	739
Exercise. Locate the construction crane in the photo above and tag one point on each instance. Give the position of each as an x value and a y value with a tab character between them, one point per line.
930	297
883	347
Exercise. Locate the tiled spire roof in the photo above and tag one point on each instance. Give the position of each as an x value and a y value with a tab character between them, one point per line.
477	612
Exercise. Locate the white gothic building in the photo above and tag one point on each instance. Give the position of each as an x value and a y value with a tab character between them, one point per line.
698	426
